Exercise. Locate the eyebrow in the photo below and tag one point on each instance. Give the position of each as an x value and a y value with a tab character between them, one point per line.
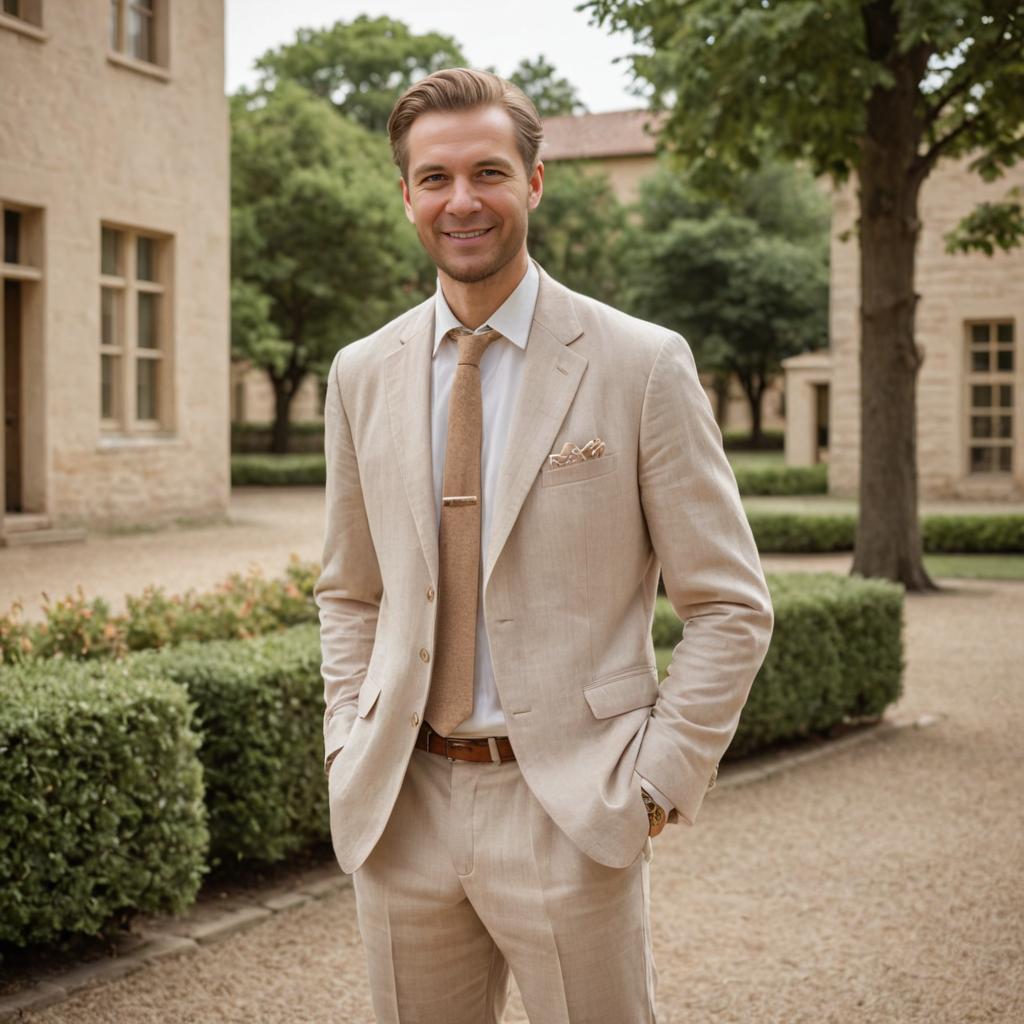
498	161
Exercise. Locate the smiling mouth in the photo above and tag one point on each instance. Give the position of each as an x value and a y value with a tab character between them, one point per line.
463	235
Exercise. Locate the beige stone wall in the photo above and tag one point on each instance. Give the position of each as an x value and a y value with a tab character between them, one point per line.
953	290
90	139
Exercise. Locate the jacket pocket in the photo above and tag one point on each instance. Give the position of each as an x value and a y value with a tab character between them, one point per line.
634	688
553	476
368	694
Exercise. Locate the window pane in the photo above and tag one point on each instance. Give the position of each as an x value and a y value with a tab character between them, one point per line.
108	386
1004	332
1004	426
145	261
140	33
981	460
1005	458
979	333
110	252
112	26
110	326
12	236
981	396
148	334
1005	396
11	7
1004	359
981	426
146	391
979	360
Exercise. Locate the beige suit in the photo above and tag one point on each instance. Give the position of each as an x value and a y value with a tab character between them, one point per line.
569	576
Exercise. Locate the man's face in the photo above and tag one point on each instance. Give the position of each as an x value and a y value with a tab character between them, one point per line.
468	193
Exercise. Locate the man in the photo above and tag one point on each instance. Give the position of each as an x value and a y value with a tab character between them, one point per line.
510	465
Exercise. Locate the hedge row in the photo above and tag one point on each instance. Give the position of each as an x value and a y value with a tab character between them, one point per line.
782	480
238	608
783	532
836	654
278	470
101	799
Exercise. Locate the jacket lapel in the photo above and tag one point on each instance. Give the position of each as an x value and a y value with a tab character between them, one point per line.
551	375
407	383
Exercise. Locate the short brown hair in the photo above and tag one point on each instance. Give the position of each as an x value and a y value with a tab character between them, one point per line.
463	89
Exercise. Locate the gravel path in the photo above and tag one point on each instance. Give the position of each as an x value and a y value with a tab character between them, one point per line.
264	527
880	885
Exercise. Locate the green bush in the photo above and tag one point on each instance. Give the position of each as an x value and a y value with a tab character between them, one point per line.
259	709
793	533
973	534
101	799
739	440
783	480
278	470
836	655
258	437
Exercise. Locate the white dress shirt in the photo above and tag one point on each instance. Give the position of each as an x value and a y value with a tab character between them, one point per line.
501	369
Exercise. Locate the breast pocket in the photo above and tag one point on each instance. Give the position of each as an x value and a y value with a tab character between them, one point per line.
589	469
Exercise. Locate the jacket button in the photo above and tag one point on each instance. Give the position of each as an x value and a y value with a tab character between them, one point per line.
424	654
415	718
430	593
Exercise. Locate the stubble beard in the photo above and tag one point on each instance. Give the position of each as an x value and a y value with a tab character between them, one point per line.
480	272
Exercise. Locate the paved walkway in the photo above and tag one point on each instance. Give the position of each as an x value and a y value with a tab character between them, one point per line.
881	885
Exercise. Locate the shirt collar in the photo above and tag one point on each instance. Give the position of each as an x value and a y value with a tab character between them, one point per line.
513	318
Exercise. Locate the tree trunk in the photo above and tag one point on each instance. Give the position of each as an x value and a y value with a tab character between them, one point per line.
284	392
720	385
888	534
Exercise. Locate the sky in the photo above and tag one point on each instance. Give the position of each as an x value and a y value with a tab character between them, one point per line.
579	52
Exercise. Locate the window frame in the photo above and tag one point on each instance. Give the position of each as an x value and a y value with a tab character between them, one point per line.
124	346
993	378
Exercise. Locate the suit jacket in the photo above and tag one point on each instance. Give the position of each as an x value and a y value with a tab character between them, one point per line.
569	577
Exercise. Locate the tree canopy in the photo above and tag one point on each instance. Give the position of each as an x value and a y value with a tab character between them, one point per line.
551	94
361	66
321	252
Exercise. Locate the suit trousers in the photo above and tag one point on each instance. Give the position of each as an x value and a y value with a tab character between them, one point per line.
471	878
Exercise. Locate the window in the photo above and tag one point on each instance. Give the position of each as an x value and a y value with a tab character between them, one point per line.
24	10
134	331
991	369
135	30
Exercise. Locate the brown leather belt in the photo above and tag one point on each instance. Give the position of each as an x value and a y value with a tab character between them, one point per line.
490	749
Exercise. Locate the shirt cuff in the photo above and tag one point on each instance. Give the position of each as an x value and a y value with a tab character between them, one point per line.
659	797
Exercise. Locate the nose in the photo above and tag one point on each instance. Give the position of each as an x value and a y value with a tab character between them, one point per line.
463	200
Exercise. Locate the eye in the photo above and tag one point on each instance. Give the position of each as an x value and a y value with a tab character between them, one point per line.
491	170
430	178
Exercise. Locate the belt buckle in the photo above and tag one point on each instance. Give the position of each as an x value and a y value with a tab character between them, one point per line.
449	743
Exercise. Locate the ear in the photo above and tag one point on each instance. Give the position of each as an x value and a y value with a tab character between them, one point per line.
406	201
536	186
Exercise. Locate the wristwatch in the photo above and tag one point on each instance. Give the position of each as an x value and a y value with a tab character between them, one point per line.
655	812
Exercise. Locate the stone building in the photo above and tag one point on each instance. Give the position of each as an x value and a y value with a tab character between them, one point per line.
114	194
970	393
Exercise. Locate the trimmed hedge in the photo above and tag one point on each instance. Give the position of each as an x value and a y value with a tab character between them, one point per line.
278	470
101	799
783	480
836	654
785	532
259	708
739	440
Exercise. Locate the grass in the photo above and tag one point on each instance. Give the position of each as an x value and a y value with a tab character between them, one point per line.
756	460
975	567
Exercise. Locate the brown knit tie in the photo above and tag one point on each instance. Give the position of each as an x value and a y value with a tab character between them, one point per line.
451	689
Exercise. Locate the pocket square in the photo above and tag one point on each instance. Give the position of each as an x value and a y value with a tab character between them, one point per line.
570	453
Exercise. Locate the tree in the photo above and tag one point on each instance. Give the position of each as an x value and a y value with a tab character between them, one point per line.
551	94
575	232
320	249
746	280
881	89
362	66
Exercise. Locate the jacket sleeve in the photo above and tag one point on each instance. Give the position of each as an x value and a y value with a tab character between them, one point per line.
713	579
348	590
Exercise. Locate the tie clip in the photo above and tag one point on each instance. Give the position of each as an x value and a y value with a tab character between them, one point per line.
461	499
